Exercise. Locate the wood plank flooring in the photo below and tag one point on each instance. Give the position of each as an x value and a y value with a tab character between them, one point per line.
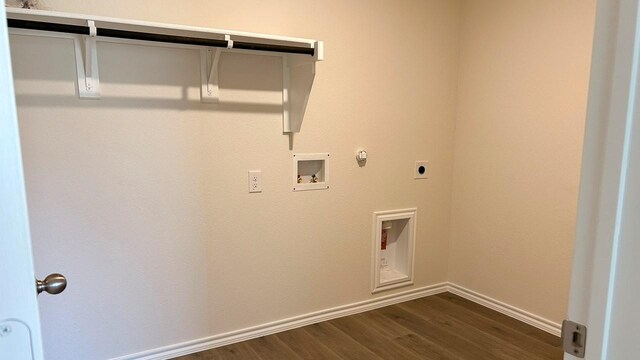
439	327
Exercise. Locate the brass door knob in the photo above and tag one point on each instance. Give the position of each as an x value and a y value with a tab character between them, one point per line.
53	284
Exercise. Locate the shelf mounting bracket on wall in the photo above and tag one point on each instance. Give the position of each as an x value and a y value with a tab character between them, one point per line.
298	74
209	59
87	63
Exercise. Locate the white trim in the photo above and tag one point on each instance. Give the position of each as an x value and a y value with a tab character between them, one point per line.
211	342
612	107
506	309
18	305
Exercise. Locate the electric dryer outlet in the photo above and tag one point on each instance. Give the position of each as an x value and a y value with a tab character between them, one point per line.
421	170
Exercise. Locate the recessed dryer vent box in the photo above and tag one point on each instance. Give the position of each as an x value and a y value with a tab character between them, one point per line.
394	234
310	171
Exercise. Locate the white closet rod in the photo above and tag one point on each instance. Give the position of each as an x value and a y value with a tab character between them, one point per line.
148	36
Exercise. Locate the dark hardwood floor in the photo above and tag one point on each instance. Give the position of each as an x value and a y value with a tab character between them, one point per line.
443	326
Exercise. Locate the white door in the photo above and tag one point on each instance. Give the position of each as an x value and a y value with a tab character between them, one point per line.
605	285
20	337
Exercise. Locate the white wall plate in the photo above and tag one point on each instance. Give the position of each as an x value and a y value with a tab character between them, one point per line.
311	171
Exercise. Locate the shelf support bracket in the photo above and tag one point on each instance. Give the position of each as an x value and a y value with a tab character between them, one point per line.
209	91
87	64
298	73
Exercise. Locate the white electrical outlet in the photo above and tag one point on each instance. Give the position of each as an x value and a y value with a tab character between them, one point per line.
255	181
420	170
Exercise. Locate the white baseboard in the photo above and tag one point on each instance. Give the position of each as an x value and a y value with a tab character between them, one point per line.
511	311
215	341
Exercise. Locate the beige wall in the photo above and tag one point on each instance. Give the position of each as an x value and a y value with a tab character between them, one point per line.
140	198
524	69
